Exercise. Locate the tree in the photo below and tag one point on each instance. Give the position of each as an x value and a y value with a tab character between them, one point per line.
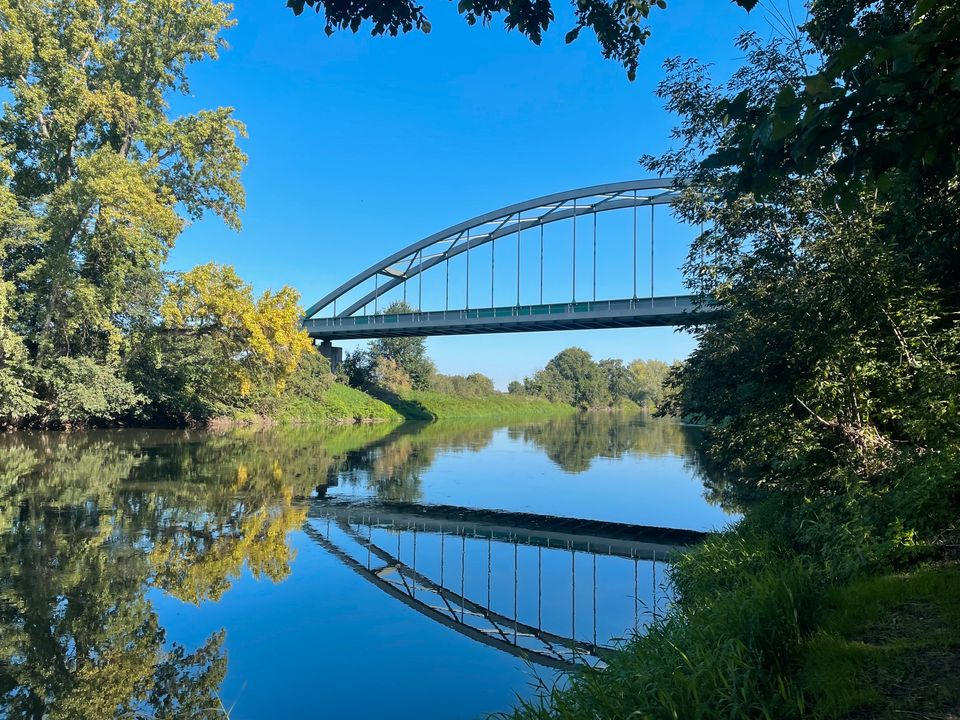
620	26
409	353
834	359
650	377
571	377
102	177
881	107
217	347
17	399
472	385
621	384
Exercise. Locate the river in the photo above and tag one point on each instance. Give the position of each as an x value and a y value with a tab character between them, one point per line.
435	571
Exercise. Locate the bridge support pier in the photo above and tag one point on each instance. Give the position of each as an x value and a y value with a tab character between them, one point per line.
331	353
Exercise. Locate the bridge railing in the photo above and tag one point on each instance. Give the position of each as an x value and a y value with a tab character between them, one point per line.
671	303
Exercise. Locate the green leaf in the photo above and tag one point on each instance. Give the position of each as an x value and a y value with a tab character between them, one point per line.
817	85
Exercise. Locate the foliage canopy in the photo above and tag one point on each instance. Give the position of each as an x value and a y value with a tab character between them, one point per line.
97	180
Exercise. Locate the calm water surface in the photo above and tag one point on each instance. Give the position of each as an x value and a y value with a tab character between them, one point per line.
303	572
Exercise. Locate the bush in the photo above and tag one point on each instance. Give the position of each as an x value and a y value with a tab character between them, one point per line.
473	385
83	392
312	377
389	376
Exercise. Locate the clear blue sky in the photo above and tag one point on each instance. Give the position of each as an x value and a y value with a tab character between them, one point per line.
359	146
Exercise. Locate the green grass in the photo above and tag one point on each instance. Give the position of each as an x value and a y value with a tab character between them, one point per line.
340	404
723	651
758	630
343	404
888	647
426	405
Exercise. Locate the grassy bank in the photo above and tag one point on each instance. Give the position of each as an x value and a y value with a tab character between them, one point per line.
888	645
339	404
776	646
843	608
343	405
430	405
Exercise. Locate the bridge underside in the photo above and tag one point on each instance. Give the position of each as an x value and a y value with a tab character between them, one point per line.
642	312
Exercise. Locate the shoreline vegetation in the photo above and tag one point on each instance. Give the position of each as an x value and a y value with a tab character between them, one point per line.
344	405
394	380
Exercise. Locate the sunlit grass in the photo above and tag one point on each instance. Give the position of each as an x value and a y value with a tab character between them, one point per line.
340	404
429	404
888	645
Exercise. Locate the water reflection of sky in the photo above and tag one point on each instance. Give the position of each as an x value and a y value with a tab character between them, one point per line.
166	515
513	474
326	642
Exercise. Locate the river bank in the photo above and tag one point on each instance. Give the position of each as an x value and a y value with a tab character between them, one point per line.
432	405
343	405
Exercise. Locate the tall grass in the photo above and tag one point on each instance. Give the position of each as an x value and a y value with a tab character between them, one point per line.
723	651
766	616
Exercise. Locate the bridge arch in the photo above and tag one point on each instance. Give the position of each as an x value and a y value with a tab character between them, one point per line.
411	261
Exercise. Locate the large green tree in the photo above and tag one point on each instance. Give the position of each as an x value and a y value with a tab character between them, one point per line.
835	357
392	364
650	377
98	177
571	377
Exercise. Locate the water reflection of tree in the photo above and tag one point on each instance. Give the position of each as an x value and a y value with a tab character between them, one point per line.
392	468
573	443
79	640
721	487
89	523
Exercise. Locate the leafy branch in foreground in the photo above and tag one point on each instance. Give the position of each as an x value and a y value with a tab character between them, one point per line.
619	25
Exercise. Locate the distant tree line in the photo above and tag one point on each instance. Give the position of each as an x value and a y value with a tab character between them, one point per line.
397	365
575	378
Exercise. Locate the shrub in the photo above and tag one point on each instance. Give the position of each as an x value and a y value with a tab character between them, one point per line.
83	392
312	377
473	385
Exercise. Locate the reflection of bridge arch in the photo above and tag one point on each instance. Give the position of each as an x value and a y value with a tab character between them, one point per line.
363	292
347	532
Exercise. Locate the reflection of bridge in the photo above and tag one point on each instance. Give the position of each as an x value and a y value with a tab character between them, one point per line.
522	227
407	551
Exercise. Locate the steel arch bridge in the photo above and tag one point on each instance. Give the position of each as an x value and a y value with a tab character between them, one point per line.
355	309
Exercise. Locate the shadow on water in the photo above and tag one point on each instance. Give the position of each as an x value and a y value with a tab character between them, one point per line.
92	525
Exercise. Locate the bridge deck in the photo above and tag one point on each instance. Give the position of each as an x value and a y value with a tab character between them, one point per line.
639	312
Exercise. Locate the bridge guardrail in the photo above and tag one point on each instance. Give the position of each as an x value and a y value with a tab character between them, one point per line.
669	302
